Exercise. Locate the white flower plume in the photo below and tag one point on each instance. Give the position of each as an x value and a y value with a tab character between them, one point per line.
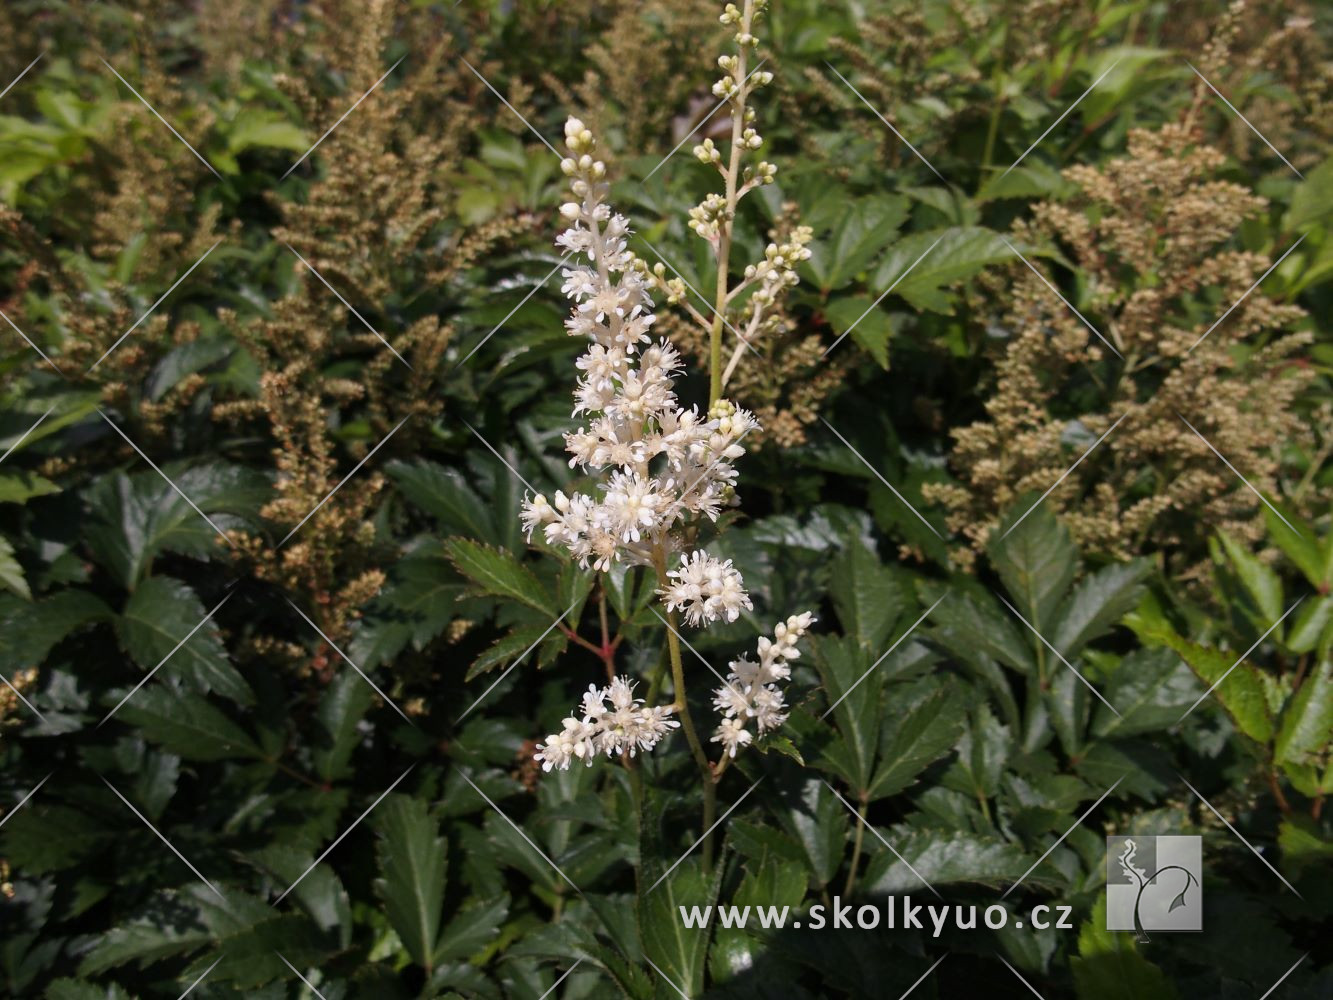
664	465
751	690
612	722
662	469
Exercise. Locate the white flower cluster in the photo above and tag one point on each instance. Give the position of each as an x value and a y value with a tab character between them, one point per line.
705	589
751	690
668	464
622	726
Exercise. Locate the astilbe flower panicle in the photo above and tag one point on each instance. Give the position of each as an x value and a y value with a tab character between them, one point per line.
666	465
612	722
751	690
662	469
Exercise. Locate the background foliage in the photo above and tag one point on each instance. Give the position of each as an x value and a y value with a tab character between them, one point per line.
970	387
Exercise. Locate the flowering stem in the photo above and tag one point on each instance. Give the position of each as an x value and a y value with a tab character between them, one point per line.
710	811
682	703
608	650
682	706
724	231
856	848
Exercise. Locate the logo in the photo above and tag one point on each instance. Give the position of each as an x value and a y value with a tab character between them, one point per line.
1153	884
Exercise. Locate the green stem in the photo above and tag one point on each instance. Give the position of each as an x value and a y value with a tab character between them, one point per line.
724	234
710	817
856	848
682	706
607	652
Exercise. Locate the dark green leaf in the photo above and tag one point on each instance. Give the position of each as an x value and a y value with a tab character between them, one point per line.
416	606
962	251
29	631
496	573
411	856
915	735
945	857
1096	604
341	709
1151	689
1306	726
445	494
187	724
472	930
1037	561
160	613
868	596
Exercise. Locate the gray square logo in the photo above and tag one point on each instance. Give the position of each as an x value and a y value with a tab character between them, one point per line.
1154	884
